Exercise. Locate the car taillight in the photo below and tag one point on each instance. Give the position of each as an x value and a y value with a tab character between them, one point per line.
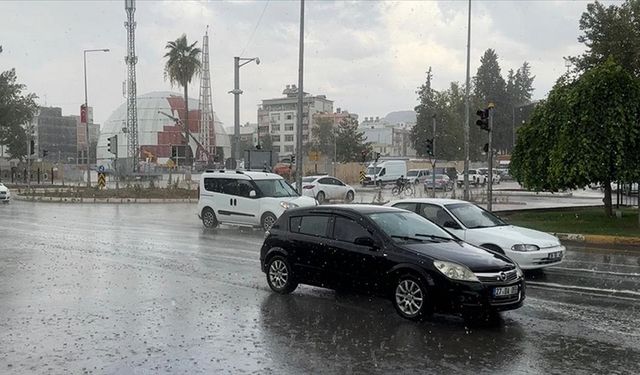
308	186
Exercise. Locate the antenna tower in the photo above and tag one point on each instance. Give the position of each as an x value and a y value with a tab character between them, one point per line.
132	107
207	124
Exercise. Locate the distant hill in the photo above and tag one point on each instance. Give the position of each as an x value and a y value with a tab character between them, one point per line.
401	116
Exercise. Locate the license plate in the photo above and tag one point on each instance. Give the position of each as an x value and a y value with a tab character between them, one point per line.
505	291
555	255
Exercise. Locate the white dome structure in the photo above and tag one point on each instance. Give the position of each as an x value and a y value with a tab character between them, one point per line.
156	132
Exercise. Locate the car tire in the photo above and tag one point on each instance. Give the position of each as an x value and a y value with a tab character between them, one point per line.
350	196
320	197
209	219
410	298
267	221
280	276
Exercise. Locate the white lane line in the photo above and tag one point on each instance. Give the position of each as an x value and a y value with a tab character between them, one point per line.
583	288
634	274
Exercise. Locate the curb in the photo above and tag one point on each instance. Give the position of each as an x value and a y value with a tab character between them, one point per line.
598	239
101	200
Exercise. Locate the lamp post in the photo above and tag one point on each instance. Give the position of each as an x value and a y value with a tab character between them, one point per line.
86	109
238	62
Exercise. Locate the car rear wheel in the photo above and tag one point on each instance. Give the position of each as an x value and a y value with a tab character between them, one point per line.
320	197
410	298
350	196
267	221
209	219
279	276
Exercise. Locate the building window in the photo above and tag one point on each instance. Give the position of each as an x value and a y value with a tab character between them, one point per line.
276	148
288	116
275	127
288	137
288	148
288	127
275	117
275	138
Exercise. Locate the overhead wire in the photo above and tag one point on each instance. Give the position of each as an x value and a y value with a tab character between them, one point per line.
253	33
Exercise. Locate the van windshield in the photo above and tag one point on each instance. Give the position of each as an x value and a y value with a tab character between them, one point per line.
412	173
372	170
275	188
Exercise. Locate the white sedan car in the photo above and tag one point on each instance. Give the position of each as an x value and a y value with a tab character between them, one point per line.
5	194
325	188
531	249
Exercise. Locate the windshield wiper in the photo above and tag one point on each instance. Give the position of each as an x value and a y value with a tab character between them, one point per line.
407	238
434	237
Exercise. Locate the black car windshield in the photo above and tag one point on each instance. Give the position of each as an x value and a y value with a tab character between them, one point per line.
408	225
275	188
473	216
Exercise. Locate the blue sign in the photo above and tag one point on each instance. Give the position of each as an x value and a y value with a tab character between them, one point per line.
101	168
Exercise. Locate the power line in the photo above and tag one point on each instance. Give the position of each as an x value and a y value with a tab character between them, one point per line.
255	28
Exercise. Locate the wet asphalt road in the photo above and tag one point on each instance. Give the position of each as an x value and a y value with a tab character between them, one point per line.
144	289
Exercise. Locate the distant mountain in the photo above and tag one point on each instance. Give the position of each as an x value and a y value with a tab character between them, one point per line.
401	116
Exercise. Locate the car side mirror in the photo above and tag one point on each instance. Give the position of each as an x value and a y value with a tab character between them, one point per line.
252	194
365	241
451	225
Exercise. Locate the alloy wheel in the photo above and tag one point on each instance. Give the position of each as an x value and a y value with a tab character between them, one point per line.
409	297
278	274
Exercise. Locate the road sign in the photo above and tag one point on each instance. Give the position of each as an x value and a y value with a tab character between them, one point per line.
102	180
314	155
362	175
101	168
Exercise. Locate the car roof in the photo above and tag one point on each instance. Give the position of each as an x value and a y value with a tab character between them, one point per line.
243	175
346	208
438	201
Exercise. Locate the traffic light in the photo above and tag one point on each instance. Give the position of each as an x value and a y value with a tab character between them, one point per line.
485	148
483	122
364	154
293	159
377	156
45	153
258	147
32	147
428	147
112	144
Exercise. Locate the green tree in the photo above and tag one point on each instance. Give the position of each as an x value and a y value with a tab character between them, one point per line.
323	136
350	142
587	131
266	142
425	110
610	31
183	63
16	110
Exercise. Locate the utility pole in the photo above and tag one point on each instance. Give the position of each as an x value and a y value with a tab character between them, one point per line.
466	111
433	164
490	155
299	166
235	146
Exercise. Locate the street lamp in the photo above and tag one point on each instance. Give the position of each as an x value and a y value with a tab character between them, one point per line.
237	63
86	108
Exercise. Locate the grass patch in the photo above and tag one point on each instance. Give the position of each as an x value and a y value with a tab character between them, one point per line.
588	220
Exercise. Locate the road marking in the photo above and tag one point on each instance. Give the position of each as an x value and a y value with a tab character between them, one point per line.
632	274
581	289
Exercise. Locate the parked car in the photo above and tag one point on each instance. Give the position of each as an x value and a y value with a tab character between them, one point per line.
326	188
245	198
475	178
5	194
531	249
388	171
442	183
418	176
390	252
485	176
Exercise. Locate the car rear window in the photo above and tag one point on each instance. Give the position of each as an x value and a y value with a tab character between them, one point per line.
315	225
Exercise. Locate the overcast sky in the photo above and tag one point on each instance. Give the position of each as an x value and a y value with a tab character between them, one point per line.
367	56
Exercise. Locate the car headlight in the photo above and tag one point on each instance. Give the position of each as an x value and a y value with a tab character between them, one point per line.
519	272
287	205
455	271
524	247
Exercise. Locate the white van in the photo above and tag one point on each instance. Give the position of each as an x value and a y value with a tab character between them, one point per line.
385	172
245	198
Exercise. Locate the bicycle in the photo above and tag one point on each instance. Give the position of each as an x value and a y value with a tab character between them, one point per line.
403	186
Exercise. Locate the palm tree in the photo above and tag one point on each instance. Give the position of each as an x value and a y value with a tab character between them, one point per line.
183	63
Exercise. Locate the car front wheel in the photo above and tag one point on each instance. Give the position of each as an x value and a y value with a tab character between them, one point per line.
410	298
279	275
209	218
350	196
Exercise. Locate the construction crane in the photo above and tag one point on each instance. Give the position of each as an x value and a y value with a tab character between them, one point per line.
181	126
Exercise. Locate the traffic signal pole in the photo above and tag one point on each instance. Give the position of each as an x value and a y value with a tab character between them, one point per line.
433	163
490	155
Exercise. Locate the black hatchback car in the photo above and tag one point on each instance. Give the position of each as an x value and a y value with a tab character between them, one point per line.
391	252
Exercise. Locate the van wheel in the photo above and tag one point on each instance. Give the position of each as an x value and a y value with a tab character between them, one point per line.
209	219
267	221
320	197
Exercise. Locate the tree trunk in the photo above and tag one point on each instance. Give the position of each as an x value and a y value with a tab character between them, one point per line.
186	126
607	199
